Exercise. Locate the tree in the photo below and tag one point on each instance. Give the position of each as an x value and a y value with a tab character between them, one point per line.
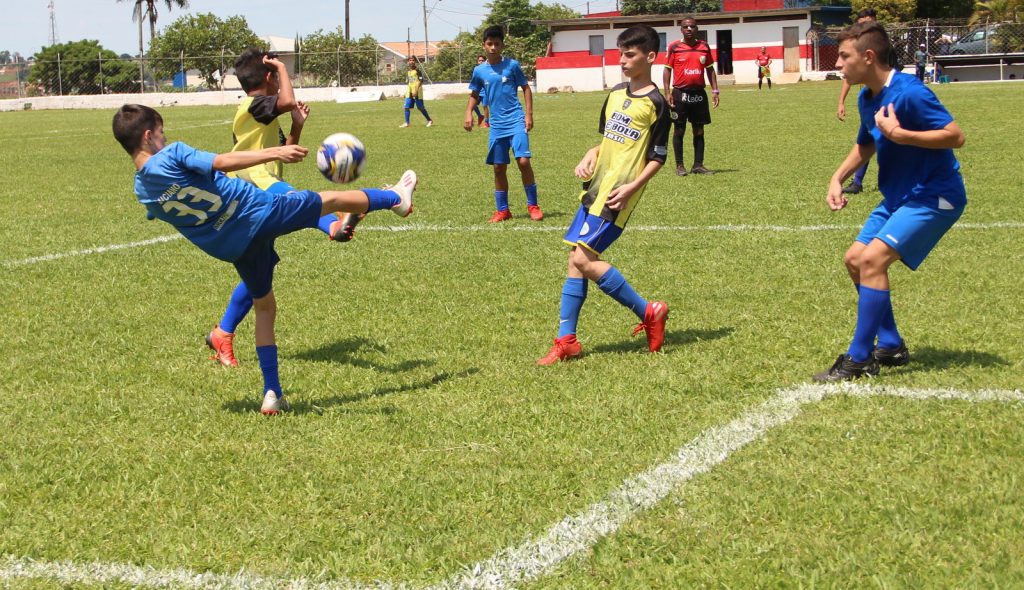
524	41
888	11
455	60
513	15
944	8
997	11
330	58
207	43
5	57
152	14
633	7
74	68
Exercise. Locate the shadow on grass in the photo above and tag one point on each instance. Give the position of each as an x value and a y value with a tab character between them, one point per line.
672	338
938	359
344	352
300	406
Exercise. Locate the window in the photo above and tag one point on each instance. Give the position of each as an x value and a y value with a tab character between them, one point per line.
662	41
597	45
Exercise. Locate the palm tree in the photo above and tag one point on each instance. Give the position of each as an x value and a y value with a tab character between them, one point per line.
995	11
151	12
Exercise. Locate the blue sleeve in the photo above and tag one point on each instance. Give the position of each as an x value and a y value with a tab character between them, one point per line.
923	111
864	136
476	84
518	76
193	159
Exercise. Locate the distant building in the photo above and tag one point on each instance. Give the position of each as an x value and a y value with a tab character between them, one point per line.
583	54
396	53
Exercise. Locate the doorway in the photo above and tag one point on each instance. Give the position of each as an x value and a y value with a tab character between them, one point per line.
790	49
723	43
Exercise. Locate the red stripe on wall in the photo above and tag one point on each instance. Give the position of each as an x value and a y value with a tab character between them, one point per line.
560	61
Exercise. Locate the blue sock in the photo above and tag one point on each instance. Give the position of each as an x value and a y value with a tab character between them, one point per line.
268	365
501	200
531	193
888	333
871	307
406	117
616	286
858	176
238	306
325	223
381	199
574	293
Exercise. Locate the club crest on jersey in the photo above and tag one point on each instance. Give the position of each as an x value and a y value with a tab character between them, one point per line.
703	59
626	103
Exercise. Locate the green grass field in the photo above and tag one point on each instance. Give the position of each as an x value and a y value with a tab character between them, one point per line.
424	440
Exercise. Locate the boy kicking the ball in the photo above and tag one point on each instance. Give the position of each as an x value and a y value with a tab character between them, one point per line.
269	94
635	122
233	220
923	192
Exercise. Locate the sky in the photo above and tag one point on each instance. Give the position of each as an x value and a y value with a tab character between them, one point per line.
27	29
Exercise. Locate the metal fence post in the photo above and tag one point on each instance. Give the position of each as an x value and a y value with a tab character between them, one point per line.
99	56
60	80
376	64
337	55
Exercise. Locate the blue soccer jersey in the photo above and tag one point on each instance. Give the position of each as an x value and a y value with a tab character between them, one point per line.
498	86
219	214
905	173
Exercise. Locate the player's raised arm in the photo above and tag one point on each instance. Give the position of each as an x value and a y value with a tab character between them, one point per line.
231	161
949	137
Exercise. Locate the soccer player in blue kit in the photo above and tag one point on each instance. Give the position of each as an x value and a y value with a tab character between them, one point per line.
233	220
919	177
498	81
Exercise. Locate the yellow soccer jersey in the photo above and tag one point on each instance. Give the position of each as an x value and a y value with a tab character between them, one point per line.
635	129
255	128
414	84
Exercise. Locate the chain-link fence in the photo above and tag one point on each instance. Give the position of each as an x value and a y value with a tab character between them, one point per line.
341	68
939	37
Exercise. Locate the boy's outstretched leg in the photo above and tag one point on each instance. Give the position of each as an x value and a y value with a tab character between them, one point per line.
397	198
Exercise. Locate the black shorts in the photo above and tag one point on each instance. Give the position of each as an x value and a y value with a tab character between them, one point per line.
691	105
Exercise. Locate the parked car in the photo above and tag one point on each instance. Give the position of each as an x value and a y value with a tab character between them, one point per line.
978	40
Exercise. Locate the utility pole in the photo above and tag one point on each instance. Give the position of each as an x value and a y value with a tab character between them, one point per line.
347	26
424	31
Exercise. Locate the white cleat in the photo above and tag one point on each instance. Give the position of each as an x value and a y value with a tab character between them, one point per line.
403	125
430	123
274	405
404	188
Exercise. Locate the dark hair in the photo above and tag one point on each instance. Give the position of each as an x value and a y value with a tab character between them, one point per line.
494	32
867	13
131	121
250	69
642	37
869	35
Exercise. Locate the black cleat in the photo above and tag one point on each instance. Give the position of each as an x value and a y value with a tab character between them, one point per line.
700	169
853	188
681	170
847	369
892	357
344	229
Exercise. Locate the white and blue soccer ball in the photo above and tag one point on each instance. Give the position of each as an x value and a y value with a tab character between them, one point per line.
341	158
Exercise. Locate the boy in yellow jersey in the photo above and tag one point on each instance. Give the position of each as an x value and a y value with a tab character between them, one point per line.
635	122
255	127
414	94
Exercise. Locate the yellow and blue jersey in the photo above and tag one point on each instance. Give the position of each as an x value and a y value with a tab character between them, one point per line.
635	129
415	84
255	127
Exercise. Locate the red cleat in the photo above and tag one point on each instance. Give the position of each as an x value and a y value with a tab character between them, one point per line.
500	216
535	213
485	124
222	344
566	348
654	324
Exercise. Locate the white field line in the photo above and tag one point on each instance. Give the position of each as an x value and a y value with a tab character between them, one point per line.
97	250
440	228
537	557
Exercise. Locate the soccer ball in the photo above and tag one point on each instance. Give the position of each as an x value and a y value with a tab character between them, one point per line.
341	158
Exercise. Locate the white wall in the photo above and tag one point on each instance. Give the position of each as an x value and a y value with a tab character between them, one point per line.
226	97
579	79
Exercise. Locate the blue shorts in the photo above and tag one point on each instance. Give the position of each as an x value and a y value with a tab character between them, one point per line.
280	187
592	232
289	213
415	102
497	152
913	230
